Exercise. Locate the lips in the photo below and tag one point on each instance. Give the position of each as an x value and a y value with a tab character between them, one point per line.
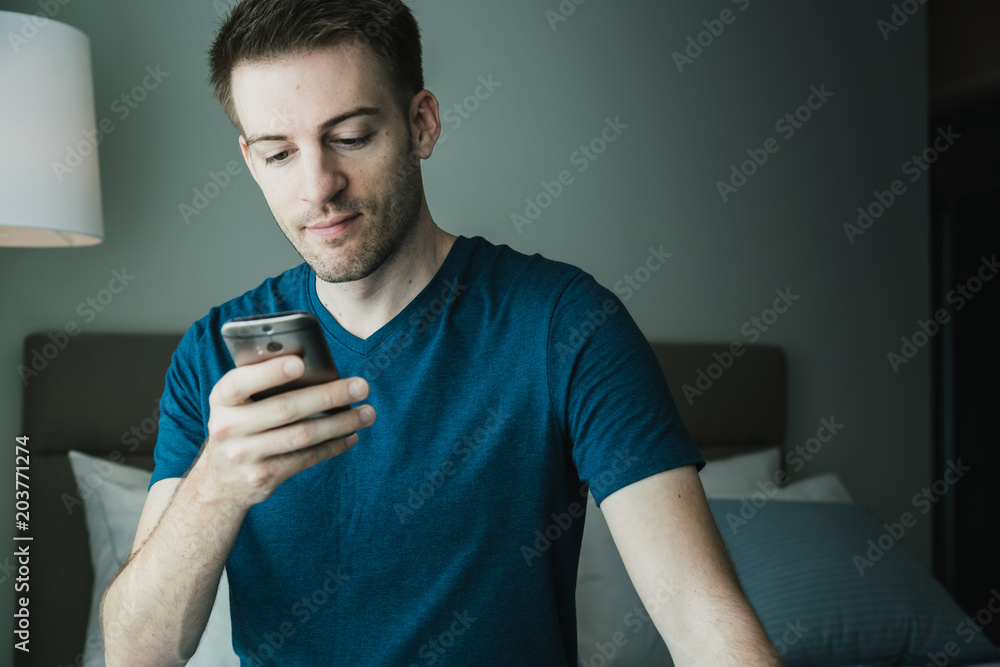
333	226
333	222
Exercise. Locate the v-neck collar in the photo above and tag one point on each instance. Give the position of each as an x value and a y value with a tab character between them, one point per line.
459	252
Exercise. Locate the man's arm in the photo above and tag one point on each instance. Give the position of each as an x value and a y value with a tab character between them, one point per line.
155	610
675	555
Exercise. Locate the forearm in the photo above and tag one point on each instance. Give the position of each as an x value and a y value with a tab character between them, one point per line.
155	610
729	635
707	616
680	567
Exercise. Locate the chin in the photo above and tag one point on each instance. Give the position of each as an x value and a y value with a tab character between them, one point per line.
344	263
345	269
329	275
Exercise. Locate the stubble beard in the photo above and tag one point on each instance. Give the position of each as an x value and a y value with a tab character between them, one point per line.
387	227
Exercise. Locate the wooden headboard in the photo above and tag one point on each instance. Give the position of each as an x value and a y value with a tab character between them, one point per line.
99	395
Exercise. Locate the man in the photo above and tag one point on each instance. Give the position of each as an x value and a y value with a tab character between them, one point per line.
405	543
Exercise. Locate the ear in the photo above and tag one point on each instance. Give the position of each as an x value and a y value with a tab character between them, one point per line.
246	157
425	123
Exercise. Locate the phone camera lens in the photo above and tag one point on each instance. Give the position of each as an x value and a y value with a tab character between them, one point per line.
274	347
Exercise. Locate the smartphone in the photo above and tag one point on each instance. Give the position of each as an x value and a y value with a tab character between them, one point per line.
261	337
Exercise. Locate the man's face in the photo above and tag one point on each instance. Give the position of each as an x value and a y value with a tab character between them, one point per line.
333	156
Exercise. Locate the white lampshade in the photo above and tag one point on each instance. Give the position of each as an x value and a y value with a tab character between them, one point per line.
50	189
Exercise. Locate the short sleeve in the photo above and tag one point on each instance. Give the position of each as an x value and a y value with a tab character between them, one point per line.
610	394
181	430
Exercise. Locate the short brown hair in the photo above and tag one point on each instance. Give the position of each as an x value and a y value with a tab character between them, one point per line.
260	30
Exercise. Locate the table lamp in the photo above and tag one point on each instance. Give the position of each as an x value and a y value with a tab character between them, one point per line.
50	189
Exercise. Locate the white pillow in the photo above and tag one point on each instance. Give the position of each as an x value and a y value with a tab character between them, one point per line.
607	602
825	487
737	476
113	495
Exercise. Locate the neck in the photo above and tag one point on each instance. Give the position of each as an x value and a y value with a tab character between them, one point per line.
364	306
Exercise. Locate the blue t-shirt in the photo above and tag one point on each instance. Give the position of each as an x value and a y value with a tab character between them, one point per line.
450	533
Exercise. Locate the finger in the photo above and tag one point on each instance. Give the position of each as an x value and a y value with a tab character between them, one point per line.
238	385
327	449
292	463
293	406
273	471
307	433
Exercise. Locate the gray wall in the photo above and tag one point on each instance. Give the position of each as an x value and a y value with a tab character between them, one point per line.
655	185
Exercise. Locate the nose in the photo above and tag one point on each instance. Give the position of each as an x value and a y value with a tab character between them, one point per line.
323	177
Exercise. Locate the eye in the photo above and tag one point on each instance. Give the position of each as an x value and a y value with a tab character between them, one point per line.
277	158
353	143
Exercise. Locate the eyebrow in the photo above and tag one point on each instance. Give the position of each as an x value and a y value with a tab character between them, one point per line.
326	125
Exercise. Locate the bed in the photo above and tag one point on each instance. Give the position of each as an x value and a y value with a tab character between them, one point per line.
794	546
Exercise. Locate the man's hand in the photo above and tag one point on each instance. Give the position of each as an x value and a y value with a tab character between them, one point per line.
254	446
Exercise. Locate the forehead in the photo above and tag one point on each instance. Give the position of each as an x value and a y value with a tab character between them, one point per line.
306	88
